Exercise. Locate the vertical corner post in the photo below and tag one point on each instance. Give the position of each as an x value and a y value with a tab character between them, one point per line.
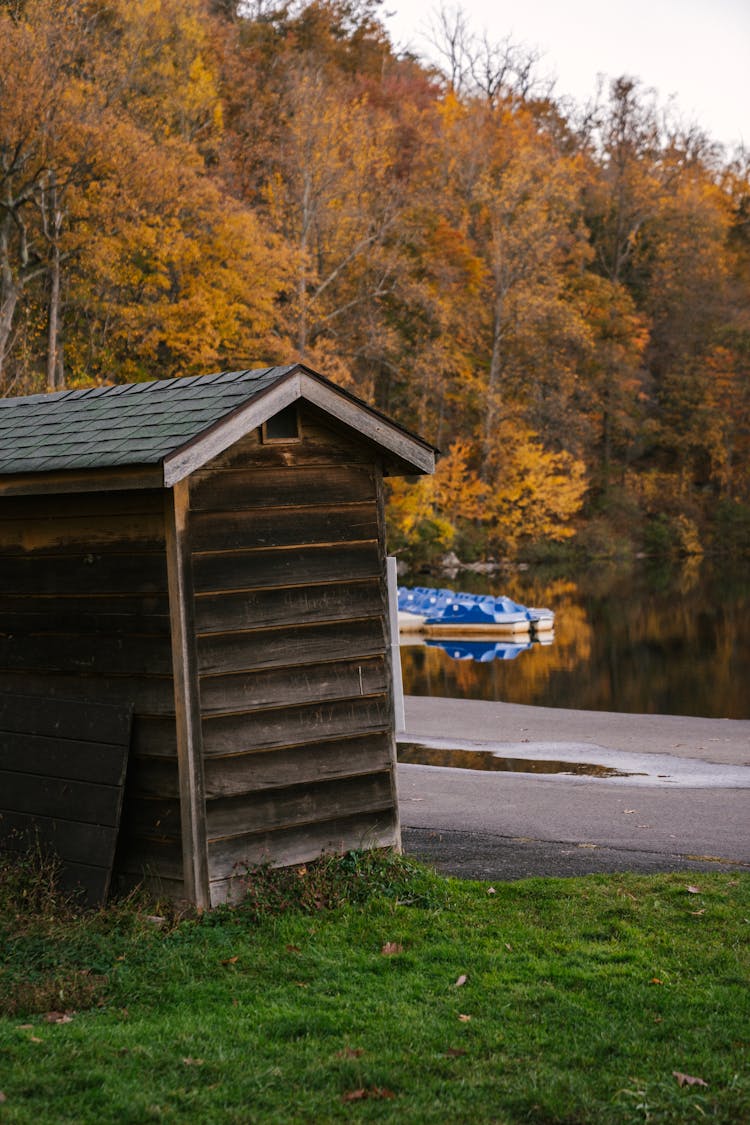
187	697
391	638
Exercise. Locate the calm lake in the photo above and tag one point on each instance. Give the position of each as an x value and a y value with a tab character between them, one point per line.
649	638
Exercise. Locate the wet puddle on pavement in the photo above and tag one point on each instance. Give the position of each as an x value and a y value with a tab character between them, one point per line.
417	754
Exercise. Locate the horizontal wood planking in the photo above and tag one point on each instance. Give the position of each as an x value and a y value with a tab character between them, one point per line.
253	771
82	505
84	573
272	809
62	772
147	858
151	695
151	818
24	713
61	758
292	566
88	612
283	527
39	795
373	828
71	841
287	486
53	535
291	726
290	645
79	480
96	654
292	605
343	679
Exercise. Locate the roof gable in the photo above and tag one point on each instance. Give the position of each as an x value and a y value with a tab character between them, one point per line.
179	424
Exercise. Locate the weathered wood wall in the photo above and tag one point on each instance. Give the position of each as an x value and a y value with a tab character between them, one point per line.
290	610
84	615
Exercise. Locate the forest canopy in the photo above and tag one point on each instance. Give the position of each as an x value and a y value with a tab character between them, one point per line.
558	297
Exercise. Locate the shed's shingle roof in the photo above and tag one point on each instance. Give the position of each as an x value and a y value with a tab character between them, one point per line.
128	424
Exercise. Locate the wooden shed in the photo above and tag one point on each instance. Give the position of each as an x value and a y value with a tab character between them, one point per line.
209	553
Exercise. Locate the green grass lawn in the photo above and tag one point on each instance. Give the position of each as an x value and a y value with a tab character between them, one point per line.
334	995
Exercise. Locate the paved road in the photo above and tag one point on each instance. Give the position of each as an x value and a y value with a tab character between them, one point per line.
680	799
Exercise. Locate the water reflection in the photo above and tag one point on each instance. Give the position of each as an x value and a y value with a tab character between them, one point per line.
642	638
417	753
481	651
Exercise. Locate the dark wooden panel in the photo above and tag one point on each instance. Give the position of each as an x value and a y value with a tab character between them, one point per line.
284	647
291	726
153	777
297	765
228	857
80	480
321	445
152	695
287	686
61	758
292	566
85	612
71	536
89	573
299	804
154	735
278	487
62	772
152	818
94	653
95	723
39	795
71	841
295	605
283	527
90	505
148	860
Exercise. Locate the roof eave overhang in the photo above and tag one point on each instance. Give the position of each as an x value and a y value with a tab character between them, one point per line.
403	454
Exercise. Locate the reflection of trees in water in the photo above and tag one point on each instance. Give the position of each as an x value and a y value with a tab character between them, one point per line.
638	638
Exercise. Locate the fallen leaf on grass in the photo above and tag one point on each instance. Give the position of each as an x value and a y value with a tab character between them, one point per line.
464	1018
391	948
350	1053
35	1039
58	1017
508	946
369	1092
25	1026
693	890
688	1079
2	1097
696	913
455	1052
491	891
231	960
656	980
293	949
461	980
193	1062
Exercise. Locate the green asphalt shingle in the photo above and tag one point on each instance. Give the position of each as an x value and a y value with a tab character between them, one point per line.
129	424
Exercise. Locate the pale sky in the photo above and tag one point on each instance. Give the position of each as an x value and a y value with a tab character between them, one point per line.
696	50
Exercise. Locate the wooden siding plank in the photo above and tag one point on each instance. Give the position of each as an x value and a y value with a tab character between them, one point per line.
186	696
81	505
95	723
62	772
300	844
69	536
152	695
89	573
390	642
344	679
282	606
123	613
74	480
287	486
47	755
91	653
322	761
291	726
299	804
39	795
289	645
302	566
283	527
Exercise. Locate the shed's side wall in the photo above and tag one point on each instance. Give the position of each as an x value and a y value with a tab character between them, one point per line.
84	615
290	610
